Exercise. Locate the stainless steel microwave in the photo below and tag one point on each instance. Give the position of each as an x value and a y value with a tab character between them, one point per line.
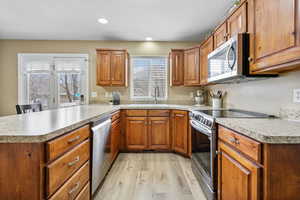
229	62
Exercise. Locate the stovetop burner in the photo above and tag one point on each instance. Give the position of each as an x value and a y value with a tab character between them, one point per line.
233	113
207	118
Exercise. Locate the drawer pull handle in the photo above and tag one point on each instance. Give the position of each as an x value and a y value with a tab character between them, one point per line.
74	188
74	139
234	140
74	162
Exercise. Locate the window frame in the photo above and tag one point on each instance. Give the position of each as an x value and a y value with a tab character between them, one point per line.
54	93
134	98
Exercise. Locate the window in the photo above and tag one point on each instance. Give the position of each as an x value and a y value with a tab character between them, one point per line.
148	73
54	80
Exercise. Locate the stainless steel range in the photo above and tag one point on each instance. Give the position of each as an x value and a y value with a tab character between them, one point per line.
204	144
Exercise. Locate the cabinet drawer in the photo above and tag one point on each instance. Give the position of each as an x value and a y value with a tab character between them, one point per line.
136	113
246	145
74	185
158	113
60	145
115	116
85	193
63	168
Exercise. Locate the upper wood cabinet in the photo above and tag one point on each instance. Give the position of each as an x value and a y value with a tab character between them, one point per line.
220	35
191	67
238	177
237	22
180	131
274	28
159	134
234	24
176	62
112	67
206	48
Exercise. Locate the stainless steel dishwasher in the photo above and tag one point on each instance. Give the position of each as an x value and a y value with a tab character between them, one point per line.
101	161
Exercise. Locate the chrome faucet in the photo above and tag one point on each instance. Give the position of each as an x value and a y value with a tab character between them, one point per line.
156	94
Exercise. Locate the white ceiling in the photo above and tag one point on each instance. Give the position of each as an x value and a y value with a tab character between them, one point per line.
130	20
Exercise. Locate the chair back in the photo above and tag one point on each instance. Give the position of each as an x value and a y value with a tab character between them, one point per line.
21	109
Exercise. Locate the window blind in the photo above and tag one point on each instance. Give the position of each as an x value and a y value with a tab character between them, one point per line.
147	74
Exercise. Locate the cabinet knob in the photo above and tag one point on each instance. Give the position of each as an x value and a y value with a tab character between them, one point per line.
250	59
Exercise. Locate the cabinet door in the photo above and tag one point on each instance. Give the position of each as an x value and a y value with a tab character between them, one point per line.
159	134
115	138
205	49
180	131
238	178
220	35
118	65
136	133
191	67
103	68
237	22
177	64
273	27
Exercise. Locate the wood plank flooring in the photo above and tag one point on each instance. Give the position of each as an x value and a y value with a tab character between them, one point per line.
150	176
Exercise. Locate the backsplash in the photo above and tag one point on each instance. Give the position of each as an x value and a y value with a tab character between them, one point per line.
272	96
176	95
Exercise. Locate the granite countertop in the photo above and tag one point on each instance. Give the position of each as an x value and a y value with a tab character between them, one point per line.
46	125
273	131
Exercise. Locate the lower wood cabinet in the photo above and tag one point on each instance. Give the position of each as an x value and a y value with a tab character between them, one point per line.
155	130
115	138
56	169
136	133
250	170
180	131
159	133
239	178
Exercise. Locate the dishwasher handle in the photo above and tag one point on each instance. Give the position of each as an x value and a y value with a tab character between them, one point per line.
99	126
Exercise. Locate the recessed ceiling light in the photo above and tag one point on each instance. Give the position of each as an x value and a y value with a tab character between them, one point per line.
149	39
102	21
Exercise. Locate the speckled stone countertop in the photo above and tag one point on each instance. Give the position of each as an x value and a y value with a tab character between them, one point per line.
46	125
272	131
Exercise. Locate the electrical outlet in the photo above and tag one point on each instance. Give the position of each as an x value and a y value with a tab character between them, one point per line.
296	95
94	94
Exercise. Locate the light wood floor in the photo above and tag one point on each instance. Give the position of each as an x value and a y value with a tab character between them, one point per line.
150	176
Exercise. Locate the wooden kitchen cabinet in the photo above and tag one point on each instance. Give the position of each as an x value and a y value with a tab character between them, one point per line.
237	22
191	67
274	35
148	130
180	131
176	63
115	135
159	133
220	35
103	68
250	170
206	48
234	24
136	133
46	170
238	177
112	67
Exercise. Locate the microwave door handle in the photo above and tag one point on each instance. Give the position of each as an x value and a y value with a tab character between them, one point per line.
231	66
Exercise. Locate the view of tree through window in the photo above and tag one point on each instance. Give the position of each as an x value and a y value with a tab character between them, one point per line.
149	73
52	80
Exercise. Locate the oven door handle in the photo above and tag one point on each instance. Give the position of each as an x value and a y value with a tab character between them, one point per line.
201	129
